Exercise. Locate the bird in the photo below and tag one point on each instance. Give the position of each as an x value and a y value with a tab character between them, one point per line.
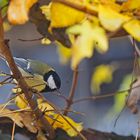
38	75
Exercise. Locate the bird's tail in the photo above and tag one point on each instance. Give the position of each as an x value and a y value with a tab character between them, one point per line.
2	57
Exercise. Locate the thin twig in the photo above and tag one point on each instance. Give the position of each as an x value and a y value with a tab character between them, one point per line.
138	131
72	91
58	94
29	40
62	110
103	96
27	109
13	131
4	105
5	80
131	87
4	73
118	116
134	44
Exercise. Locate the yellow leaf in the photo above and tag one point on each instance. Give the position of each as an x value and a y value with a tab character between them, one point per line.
120	99
3	74
91	36
56	120
64	53
44	106
63	16
131	5
16	90
21	102
45	41
111	19
66	124
110	3
133	28
18	10
46	11
41	136
102	74
6	26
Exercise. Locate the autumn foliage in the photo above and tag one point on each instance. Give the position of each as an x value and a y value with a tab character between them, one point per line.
78	28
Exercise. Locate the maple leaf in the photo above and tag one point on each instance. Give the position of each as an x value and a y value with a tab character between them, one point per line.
90	36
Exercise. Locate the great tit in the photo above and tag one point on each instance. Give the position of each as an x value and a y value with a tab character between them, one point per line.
38	75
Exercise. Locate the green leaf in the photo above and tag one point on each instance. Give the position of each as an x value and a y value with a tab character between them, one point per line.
120	99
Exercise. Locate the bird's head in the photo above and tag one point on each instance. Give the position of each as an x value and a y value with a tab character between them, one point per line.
53	81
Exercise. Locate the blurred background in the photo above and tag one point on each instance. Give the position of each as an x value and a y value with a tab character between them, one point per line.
98	114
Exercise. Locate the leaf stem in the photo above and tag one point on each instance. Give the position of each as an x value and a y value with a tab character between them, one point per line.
13	130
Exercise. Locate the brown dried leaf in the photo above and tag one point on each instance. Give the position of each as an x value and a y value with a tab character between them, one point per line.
43	24
29	122
13	116
41	136
20	118
134	96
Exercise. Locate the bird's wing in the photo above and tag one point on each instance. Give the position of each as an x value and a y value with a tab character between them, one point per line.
38	67
22	64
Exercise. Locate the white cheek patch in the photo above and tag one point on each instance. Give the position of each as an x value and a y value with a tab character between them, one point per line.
51	82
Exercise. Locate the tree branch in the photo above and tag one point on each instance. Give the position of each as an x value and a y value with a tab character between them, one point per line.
88	9
83	7
79	6
5	51
72	91
104	95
